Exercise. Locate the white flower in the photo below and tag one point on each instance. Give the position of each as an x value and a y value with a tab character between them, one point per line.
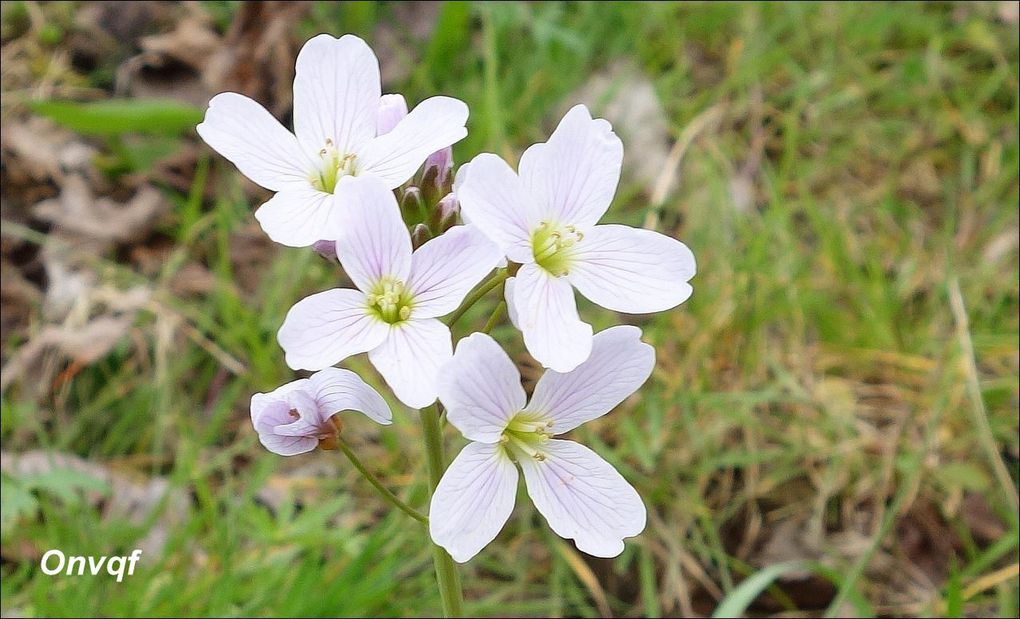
343	127
544	218
581	495
299	416
393	315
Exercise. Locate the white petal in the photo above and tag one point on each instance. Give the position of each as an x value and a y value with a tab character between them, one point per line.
249	137
574	175
547	317
446	268
410	357
494	199
327	327
473	500
619	363
511	308
261	401
338	390
480	388
632	270
435	123
275	413
373	242
392	109
583	498
299	216
336	93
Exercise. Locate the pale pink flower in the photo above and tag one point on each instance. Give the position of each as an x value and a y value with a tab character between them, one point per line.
393	314
297	417
342	127
581	495
544	217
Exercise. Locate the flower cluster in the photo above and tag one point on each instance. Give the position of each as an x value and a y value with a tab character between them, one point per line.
417	244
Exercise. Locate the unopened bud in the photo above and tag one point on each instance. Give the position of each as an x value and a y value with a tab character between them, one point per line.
438	169
326	249
392	109
420	235
446	211
412	206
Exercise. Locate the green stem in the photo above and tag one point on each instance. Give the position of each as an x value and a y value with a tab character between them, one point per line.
446	569
497	279
372	479
494	318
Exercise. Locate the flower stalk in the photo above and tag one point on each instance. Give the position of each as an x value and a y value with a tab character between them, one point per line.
446	569
383	491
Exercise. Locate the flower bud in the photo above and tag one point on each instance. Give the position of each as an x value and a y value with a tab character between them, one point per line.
326	249
420	235
445	213
392	109
438	168
412	205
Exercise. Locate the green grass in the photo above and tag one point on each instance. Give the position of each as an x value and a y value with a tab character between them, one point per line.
817	376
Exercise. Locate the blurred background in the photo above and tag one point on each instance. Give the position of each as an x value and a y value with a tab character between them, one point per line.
831	427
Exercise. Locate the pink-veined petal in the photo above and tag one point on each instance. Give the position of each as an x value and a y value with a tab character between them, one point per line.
632	270
327	327
574	175
373	242
511	308
446	268
250	138
410	358
433	124
392	109
547	317
299	216
274	413
493	198
336	93
480	388
336	390
583	497
619	363
473	500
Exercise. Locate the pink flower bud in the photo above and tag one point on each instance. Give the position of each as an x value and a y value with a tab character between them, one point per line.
392	109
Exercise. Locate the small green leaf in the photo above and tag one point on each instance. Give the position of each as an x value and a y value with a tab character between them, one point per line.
120	116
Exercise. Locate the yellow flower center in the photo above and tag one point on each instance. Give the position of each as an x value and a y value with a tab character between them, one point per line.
552	247
335	165
525	435
390	300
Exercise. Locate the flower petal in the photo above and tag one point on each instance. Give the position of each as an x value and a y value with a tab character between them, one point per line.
473	500
619	363
299	216
327	327
392	109
410	358
337	390
446	268
250	138
511	308
583	498
273	413
494	199
574	175
547	317
435	123
480	388
373	242
632	270
336	93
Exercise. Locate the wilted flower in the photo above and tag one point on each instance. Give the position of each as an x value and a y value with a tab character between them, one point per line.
337	133
300	416
393	315
544	218
581	495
